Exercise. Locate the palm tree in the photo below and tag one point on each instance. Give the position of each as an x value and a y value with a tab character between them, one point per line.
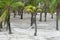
57	15
40	9
7	5
44	7
55	6
32	9
20	9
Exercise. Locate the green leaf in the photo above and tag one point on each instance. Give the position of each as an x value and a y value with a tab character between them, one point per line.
17	4
30	8
2	17
53	6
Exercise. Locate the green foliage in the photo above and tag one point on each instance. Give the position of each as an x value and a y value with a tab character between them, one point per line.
3	16
6	5
30	8
17	4
30	2
53	5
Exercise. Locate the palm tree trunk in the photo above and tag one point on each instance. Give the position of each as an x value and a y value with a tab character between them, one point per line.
20	12
40	16
52	16
8	21
35	34
57	21
31	19
22	15
9	27
45	16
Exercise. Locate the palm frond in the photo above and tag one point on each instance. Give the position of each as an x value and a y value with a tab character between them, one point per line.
3	16
17	4
30	8
53	5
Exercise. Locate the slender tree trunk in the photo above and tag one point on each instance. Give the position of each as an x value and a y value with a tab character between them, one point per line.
51	16
20	12
31	19
40	16
22	15
9	27
57	21
45	16
8	21
35	34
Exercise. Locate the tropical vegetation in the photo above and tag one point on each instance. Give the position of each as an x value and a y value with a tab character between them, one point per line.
29	6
